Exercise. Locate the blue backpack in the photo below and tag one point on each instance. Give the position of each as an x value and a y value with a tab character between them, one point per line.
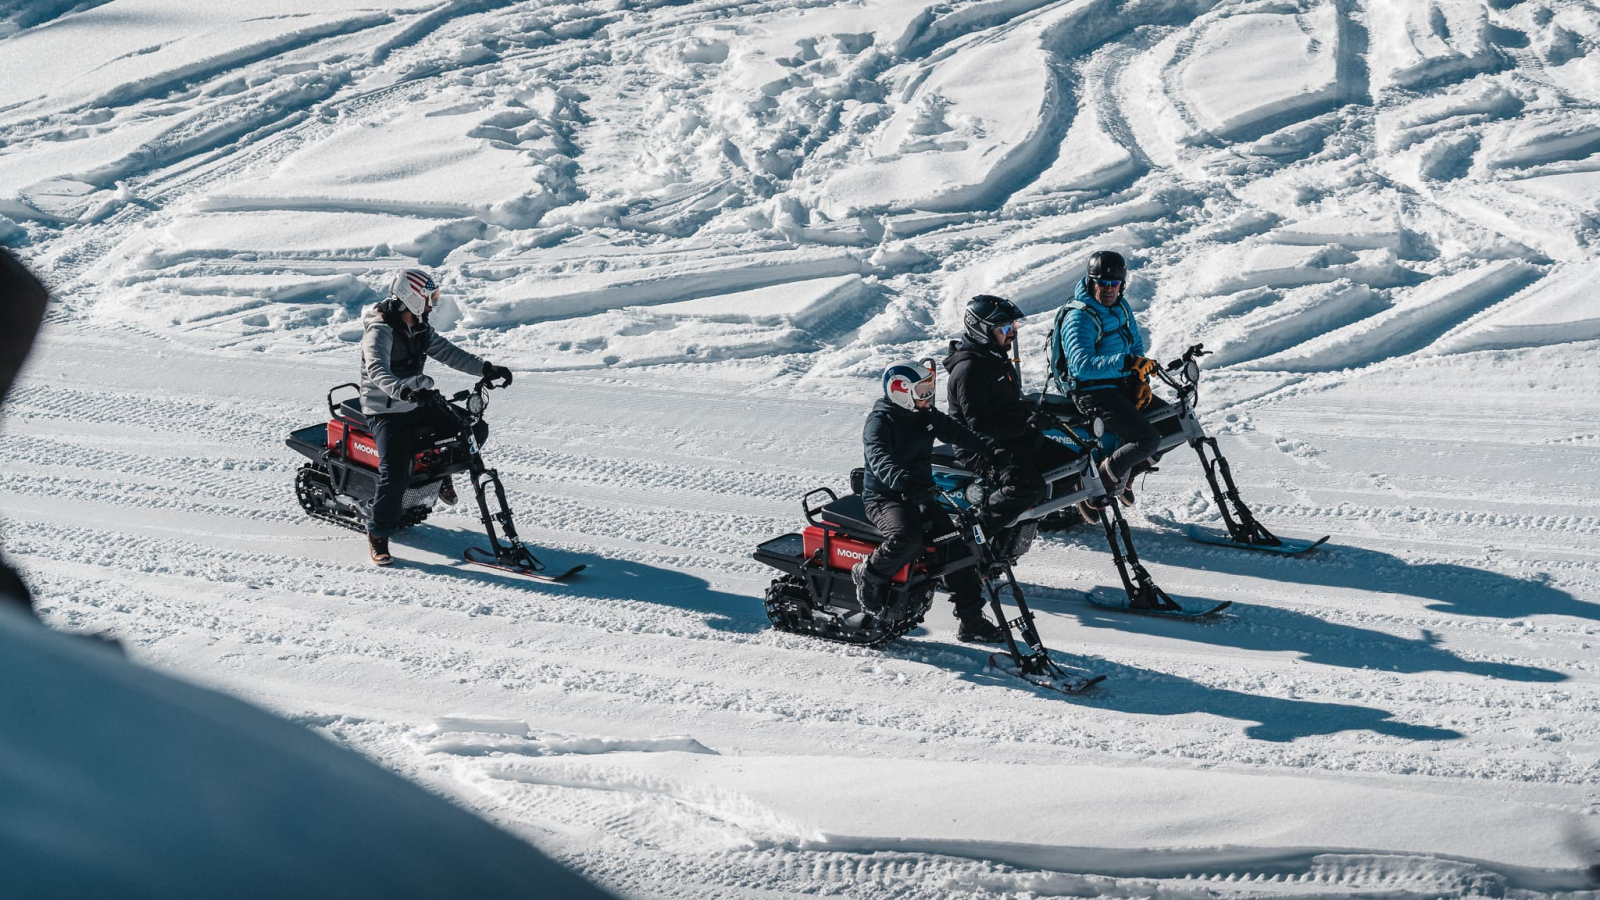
1060	372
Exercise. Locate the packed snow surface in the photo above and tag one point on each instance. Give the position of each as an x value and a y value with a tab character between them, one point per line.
698	231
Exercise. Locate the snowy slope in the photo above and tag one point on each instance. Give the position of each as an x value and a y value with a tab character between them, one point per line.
697	230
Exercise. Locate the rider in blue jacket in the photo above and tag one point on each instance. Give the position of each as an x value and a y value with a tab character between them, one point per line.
1106	370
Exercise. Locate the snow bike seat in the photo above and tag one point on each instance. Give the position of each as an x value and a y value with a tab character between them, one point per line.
849	515
350	411
1054	404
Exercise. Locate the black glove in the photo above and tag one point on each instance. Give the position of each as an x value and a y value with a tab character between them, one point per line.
427	397
492	371
1004	459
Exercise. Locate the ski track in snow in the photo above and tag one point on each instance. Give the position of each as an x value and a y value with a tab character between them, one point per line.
1390	252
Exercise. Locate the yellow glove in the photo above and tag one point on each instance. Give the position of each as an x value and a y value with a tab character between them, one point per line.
1144	366
1142	395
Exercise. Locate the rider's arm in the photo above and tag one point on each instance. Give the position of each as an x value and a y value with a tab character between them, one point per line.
952	432
1078	338
377	341
456	358
988	405
878	441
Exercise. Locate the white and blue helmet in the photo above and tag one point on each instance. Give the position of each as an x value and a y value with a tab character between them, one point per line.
907	382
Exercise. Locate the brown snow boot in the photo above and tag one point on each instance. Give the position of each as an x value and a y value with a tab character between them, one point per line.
447	492
378	549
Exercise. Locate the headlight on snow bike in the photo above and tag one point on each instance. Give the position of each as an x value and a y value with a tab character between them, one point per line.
477	403
1191	371
973	493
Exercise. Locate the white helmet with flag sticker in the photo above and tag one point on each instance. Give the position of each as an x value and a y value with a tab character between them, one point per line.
909	384
416	290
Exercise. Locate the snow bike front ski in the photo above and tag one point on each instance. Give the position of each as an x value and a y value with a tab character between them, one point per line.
506	551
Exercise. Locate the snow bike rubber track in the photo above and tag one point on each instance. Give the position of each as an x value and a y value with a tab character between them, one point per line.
311	480
789	608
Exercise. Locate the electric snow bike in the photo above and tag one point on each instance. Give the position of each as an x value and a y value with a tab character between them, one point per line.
340	482
1072	482
816	596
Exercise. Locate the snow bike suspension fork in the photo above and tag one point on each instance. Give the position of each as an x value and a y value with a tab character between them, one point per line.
1036	661
511	551
1242	526
1142	591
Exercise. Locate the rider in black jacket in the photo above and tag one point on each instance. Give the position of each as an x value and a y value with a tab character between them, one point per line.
986	396
898	492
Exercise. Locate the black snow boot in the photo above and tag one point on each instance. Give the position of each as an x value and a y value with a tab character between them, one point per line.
977	629
378	549
871	589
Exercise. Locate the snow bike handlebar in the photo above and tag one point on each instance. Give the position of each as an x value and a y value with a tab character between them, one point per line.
1186	367
1194	352
484	384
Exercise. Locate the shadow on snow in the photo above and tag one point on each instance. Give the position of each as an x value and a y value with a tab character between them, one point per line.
606	579
1250	626
1451	588
1130	689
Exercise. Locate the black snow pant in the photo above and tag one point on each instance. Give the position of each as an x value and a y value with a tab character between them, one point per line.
907	529
1139	439
399	436
1019	486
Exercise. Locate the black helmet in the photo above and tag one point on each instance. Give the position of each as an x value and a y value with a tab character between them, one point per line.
985	313
1109	265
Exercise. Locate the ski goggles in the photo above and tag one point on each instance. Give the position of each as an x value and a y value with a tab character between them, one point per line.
1106	282
1009	329
923	390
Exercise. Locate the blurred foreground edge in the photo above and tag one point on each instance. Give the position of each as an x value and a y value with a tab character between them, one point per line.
119	781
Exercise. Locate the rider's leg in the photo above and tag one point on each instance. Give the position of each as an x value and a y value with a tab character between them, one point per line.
965	587
395	434
901	525
1020	487
1140	440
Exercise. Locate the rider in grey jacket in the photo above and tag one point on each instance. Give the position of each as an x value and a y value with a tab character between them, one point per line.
400	402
